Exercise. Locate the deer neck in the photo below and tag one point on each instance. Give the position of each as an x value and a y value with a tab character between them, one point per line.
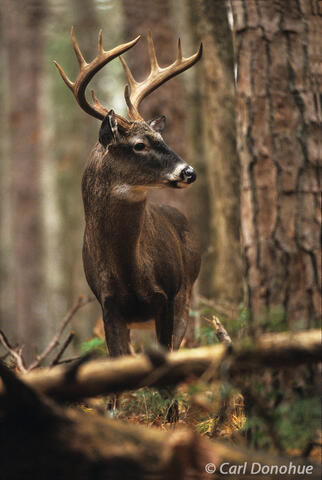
123	221
115	216
114	222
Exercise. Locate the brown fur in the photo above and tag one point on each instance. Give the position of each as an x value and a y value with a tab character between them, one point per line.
140	258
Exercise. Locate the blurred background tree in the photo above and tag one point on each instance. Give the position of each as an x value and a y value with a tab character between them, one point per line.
221	278
22	30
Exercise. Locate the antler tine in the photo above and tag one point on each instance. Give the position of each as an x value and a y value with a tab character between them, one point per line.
78	53
135	92
132	85
152	55
179	56
132	82
88	70
64	76
100	48
132	111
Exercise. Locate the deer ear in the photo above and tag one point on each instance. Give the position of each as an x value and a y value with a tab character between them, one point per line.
157	123
109	129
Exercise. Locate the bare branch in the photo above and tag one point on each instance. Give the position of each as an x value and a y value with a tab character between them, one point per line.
81	302
16	353
60	352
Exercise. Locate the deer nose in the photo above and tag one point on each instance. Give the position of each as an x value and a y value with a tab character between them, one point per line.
188	175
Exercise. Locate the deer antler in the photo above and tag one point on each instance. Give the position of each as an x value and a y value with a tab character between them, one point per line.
136	91
88	70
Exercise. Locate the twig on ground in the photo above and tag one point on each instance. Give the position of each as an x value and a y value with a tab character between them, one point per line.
16	353
223	337
221	332
68	340
81	302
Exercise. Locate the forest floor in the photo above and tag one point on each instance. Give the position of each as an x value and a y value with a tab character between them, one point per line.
285	416
275	409
202	407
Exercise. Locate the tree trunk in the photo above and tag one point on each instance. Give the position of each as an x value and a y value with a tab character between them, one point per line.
278	145
224	264
168	100
22	33
75	133
79	132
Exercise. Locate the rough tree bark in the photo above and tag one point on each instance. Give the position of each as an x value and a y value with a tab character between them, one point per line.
24	41
279	146
224	263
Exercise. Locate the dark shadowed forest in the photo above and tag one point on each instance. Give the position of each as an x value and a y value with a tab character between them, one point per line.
242	395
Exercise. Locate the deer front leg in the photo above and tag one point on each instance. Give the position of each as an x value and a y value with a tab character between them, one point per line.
179	332
181	320
164	325
117	335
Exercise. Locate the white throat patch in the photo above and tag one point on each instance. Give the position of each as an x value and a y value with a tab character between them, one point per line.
130	193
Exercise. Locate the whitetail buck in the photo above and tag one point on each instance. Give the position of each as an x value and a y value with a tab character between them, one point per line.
140	258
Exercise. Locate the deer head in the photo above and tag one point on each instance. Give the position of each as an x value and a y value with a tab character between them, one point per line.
135	153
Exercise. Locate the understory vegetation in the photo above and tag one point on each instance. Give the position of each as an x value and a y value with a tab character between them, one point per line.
276	410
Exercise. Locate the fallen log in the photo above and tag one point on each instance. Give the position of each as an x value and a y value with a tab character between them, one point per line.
156	368
41	440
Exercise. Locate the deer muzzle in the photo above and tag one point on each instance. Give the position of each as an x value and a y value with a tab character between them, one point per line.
188	175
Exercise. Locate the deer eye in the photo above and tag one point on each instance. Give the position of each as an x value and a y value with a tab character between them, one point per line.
139	146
